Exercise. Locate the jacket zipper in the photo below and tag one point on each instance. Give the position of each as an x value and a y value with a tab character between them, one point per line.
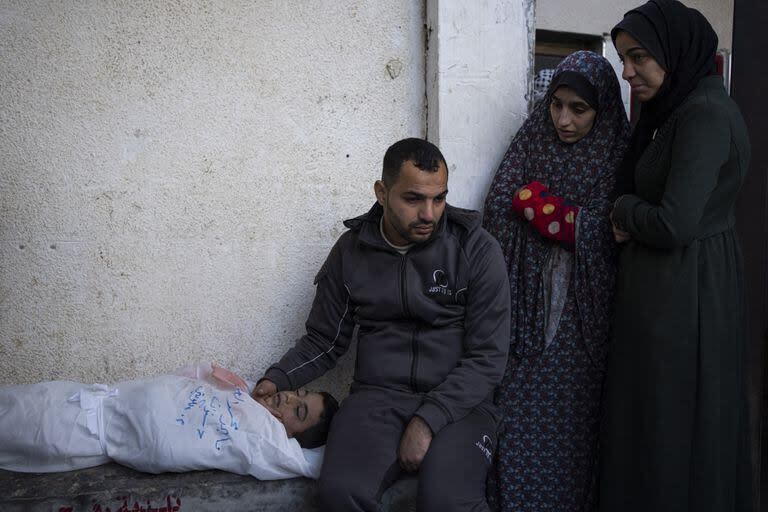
414	360
414	343
403	287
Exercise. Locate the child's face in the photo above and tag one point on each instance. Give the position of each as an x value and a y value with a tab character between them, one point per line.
297	410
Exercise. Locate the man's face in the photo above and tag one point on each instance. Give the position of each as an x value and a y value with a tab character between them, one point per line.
296	410
413	204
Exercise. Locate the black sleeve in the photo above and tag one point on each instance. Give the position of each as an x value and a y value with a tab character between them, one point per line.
329	328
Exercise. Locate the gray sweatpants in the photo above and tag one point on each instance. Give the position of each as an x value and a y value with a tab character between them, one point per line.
361	455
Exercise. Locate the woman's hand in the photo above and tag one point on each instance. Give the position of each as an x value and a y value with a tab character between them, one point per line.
619	235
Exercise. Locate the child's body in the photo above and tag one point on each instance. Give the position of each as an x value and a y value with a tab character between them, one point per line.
181	422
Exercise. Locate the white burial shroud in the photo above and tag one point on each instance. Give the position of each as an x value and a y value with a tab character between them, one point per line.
180	422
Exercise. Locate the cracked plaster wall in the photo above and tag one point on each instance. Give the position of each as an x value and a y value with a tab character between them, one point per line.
173	174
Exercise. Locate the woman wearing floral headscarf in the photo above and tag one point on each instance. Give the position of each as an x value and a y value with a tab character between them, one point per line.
548	207
675	436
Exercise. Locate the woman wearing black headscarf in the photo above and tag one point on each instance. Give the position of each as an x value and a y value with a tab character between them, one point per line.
675	435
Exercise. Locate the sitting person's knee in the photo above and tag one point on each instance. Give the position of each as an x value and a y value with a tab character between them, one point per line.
443	502
335	491
436	497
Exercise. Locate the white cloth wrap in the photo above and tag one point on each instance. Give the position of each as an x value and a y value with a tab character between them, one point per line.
90	400
41	431
166	423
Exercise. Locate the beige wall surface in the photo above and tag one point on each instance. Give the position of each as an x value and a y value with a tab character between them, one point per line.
477	87
597	17
173	174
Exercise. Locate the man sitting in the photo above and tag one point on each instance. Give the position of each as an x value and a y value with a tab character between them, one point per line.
426	287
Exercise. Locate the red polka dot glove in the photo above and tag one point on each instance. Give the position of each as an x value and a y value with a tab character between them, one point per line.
552	216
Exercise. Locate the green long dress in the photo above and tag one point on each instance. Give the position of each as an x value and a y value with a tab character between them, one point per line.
675	436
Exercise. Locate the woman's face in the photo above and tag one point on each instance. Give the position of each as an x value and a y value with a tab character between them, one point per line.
643	73
572	116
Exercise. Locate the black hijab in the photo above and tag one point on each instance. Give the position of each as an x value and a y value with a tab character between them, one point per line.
684	44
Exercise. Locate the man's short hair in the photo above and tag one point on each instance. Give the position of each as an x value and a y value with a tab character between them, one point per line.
424	155
317	434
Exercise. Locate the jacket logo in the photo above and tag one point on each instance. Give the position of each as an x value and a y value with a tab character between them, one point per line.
441	284
485	446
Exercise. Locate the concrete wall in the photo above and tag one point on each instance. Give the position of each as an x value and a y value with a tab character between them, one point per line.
478	85
172	174
599	16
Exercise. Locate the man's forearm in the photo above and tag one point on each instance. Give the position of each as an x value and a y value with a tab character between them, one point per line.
329	330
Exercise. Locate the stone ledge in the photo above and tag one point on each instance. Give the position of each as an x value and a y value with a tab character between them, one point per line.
115	488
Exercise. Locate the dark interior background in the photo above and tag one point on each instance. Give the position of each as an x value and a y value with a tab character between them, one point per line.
749	88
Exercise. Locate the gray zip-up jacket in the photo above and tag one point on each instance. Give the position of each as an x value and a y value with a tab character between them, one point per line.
435	321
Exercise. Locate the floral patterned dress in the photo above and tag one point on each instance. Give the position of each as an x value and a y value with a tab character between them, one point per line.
549	399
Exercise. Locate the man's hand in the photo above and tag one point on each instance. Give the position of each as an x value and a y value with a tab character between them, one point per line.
414	444
264	389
